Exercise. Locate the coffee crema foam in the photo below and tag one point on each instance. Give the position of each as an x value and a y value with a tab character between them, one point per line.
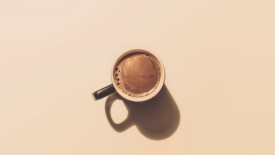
137	74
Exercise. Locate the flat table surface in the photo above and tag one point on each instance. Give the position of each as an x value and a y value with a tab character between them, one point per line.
218	97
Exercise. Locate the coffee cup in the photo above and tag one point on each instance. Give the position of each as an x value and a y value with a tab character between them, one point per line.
137	75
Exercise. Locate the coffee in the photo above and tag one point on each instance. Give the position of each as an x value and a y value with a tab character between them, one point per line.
137	73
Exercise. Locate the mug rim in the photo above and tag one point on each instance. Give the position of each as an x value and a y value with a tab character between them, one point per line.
161	83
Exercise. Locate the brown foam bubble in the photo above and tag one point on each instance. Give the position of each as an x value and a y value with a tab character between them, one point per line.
138	74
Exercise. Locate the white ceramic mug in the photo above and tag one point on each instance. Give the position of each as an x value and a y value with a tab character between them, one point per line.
113	88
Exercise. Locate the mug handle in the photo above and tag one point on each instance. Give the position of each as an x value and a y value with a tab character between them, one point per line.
108	90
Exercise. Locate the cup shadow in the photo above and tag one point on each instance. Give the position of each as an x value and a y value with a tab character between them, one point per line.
157	118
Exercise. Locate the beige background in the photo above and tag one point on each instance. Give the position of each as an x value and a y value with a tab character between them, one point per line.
220	63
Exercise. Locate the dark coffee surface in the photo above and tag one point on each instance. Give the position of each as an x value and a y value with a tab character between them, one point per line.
138	74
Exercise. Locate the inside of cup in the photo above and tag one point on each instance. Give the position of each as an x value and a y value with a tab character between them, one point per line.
134	79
